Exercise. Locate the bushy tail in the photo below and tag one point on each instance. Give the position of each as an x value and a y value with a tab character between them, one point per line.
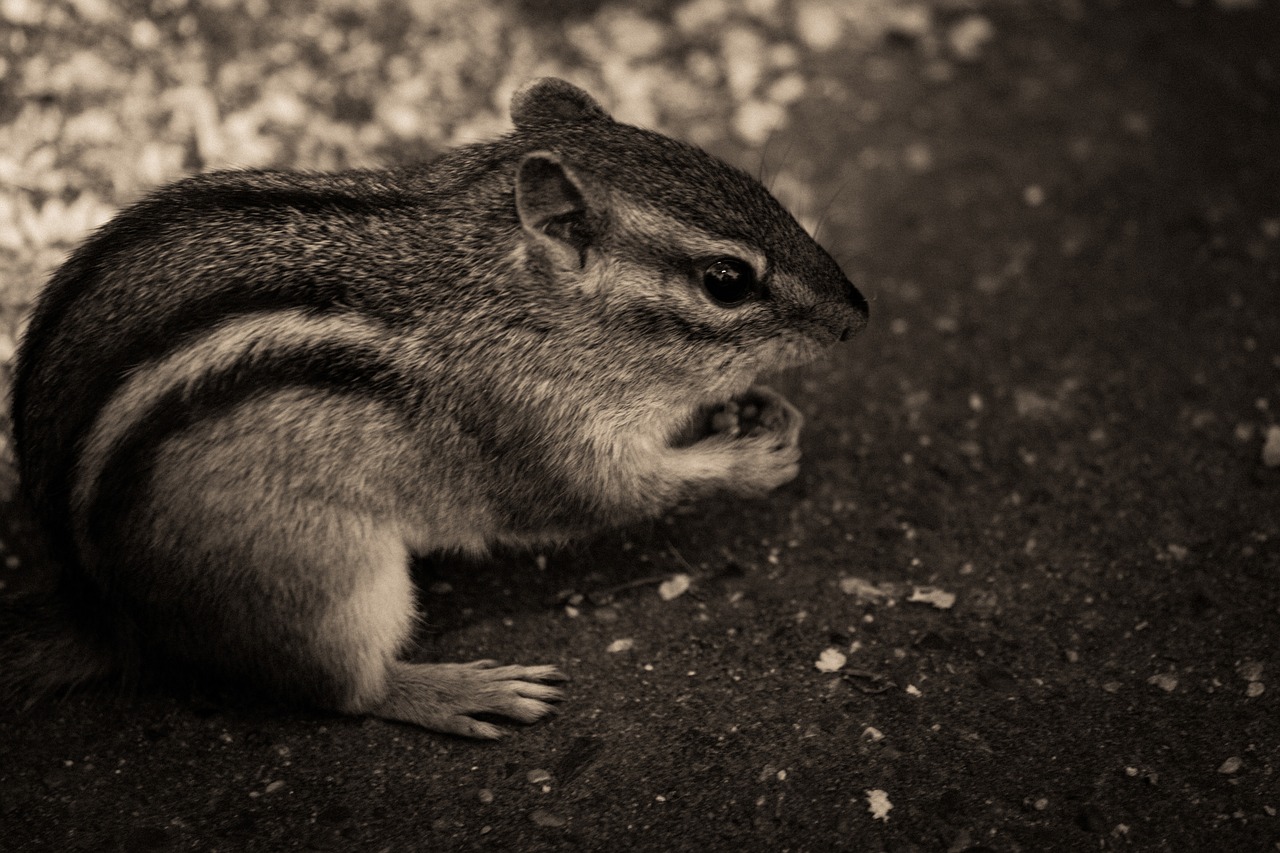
44	653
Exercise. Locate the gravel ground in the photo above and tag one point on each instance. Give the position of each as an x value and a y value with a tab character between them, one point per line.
1026	592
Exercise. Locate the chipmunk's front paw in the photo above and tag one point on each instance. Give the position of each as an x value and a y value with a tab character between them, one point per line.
762	431
761	411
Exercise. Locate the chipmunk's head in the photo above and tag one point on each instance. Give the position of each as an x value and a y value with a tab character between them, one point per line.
692	255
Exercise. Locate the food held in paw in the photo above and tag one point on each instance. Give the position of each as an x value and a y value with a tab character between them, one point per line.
726	419
750	415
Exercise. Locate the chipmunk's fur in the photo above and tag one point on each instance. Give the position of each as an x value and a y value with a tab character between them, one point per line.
246	401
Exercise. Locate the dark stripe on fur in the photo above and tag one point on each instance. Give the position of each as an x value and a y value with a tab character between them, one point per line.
175	220
186	204
53	500
338	367
648	321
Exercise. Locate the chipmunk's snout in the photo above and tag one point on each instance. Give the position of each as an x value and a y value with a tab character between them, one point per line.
858	315
840	312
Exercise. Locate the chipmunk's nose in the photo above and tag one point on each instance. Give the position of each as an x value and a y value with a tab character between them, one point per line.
860	312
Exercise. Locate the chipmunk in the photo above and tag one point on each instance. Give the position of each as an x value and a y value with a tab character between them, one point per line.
245	403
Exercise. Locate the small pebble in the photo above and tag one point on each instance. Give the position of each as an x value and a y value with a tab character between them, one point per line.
939	598
878	804
674	587
1250	670
1271	447
830	660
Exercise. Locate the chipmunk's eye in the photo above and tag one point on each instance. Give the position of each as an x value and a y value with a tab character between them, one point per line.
729	281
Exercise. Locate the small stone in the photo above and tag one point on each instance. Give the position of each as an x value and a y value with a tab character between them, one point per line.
830	660
878	804
865	590
1231	765
1250	670
538	776
674	587
1271	447
939	598
1255	689
1166	681
485	796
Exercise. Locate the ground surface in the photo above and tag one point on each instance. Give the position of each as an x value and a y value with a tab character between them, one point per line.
1069	228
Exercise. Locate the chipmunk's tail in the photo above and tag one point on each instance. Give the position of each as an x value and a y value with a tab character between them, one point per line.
45	652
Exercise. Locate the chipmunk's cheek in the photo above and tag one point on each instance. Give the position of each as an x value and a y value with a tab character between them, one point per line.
799	345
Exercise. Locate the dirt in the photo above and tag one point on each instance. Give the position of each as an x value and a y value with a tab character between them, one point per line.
1052	436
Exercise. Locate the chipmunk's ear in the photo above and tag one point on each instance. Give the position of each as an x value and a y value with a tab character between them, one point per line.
553	209
550	99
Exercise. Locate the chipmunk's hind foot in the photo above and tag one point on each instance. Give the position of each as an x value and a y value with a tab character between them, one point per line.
451	697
